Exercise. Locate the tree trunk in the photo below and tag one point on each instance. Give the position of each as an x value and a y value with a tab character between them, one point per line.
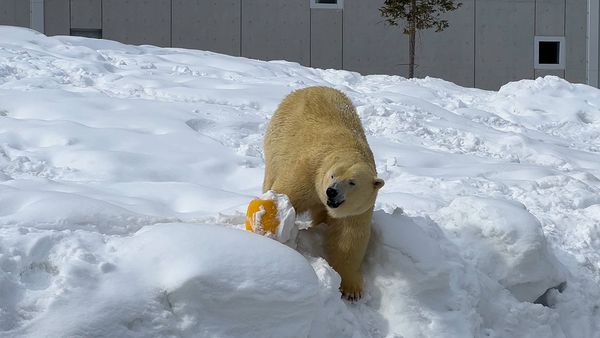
411	41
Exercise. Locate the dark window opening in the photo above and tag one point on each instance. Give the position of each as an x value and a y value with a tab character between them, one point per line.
333	2
87	33
549	52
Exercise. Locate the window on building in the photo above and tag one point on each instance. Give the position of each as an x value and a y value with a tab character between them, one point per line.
327	4
549	52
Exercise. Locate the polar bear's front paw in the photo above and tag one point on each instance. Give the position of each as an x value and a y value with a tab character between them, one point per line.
352	288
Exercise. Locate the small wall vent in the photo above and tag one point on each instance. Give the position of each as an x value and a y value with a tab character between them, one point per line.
549	52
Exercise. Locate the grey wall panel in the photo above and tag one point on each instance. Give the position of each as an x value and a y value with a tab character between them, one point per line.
326	38
550	21
450	54
276	30
14	13
207	25
86	14
137	21
22	13
503	50
550	17
370	45
57	20
545	72
576	41
37	15
8	12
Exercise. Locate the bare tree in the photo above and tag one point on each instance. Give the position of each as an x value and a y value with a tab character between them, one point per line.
417	15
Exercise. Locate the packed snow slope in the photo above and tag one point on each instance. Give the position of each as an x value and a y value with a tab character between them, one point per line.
125	172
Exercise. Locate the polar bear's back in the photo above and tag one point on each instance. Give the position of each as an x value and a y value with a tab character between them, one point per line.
316	115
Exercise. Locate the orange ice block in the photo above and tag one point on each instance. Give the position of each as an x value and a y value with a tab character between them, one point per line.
261	216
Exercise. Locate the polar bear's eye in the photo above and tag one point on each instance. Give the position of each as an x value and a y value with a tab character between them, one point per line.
331	176
351	183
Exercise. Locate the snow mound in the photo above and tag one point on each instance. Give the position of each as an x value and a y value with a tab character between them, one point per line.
506	242
425	280
418	277
179	279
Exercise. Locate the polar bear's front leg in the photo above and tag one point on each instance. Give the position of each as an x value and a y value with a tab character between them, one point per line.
346	241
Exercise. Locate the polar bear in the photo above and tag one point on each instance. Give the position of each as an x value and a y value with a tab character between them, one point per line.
317	154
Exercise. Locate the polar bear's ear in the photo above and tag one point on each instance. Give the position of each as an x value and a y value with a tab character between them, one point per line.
378	183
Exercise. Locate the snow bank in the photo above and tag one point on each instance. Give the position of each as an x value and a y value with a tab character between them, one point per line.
426	281
181	279
506	242
421	279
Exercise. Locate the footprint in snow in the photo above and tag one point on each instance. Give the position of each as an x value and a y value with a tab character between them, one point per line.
198	124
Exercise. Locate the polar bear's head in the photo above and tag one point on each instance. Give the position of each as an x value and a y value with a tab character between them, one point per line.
349	189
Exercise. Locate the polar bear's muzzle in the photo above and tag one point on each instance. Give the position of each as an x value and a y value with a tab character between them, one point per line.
333	204
334	198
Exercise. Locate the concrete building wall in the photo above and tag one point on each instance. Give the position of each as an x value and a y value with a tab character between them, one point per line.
370	45
449	54
576	42
326	32
208	25
15	13
503	42
550	21
550	17
86	14
57	17
36	14
276	30
137	21
545	72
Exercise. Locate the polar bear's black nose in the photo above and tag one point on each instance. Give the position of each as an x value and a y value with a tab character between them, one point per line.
331	193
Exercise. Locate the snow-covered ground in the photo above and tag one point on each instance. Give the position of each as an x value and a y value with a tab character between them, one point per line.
125	173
